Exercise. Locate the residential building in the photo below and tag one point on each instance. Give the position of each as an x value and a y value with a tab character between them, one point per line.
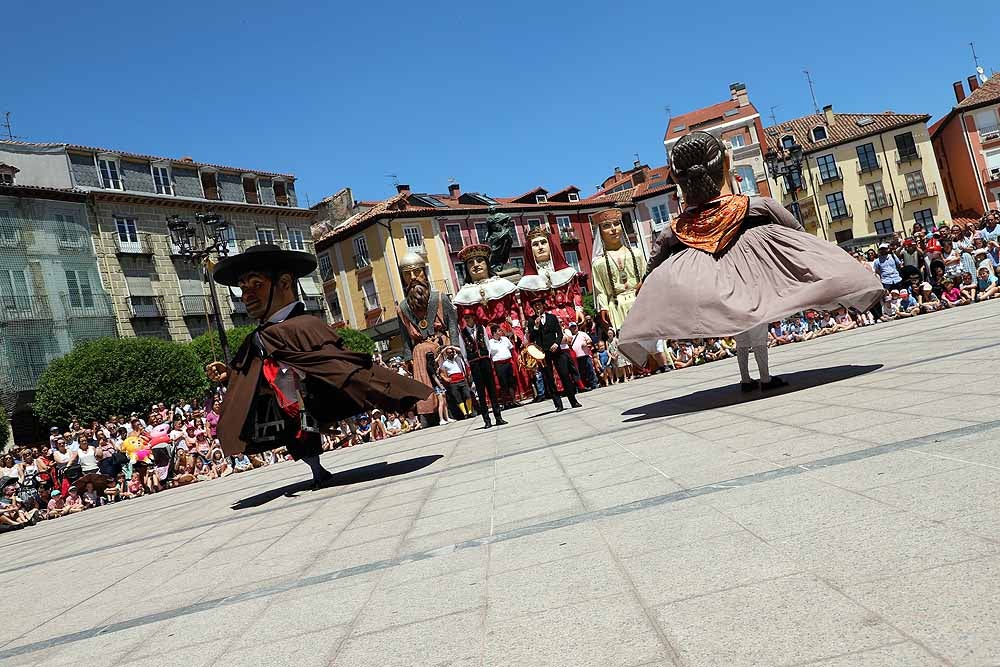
737	122
359	258
864	176
967	145
130	196
647	197
51	297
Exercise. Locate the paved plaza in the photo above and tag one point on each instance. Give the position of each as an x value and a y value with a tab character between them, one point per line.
850	520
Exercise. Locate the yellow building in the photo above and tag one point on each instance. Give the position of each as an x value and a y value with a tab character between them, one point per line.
864	176
359	263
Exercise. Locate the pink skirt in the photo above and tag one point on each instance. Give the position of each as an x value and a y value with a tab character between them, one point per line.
770	272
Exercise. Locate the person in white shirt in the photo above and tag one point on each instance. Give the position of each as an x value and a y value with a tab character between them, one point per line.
583	348
452	372
501	354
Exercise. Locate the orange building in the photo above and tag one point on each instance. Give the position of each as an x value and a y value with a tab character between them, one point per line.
967	146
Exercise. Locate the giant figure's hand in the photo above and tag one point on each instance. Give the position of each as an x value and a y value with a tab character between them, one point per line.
217	371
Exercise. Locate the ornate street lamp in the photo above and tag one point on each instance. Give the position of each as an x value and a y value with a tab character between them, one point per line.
199	248
786	162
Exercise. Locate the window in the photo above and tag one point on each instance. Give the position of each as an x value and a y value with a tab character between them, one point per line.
454	237
296	239
230	235
534	223
748	182
827	168
573	196
737	141
250	191
793	180
876	195
460	272
541	199
838	208
573	259
68	230
795	210
325	267
280	193
904	144
867	160
915	184
110	176
334	301
787	141
661	215
14	294
627	223
361	259
414	237
481	232
371	295
564	223
819	133
518	262
161	180
844	235
925	218
883	227
210	185
265	235
127	231
6	176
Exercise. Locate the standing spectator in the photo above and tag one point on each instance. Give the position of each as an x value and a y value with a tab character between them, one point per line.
603	364
582	346
887	267
911	256
453	374
621	363
440	392
87	456
501	354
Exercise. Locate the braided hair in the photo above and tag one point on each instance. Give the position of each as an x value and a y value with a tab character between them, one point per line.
611	275
696	162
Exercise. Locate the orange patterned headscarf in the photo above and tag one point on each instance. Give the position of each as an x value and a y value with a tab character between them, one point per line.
712	227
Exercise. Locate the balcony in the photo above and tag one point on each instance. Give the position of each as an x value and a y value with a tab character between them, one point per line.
140	245
831	178
314	304
72	243
24	308
362	262
870	168
846	214
907	197
879	205
145	307
192	304
747	152
909	156
989	133
991	174
10	237
568	237
86	305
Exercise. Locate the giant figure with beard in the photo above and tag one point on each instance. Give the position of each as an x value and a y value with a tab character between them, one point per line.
423	315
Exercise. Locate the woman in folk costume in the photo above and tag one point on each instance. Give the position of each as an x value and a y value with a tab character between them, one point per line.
732	263
617	269
292	377
546	271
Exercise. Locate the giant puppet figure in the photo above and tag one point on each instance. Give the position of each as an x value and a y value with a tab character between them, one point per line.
547	272
617	270
293	375
423	315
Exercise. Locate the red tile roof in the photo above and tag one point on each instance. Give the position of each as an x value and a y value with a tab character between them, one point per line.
693	120
988	92
141	156
845	128
657	182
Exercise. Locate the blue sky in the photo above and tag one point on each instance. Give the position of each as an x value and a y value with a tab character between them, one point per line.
499	96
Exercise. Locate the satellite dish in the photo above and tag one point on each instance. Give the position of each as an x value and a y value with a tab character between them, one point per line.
982	75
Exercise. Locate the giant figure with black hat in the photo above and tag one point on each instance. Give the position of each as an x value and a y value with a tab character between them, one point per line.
293	375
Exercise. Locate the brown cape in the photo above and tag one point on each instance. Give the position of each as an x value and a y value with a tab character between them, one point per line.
342	383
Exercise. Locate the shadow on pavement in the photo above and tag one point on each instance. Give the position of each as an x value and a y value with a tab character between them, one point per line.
721	397
366	473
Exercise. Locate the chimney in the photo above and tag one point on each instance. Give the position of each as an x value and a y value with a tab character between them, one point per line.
455	190
187	158
959	91
738	93
402	189
829	115
618	171
973	83
636	164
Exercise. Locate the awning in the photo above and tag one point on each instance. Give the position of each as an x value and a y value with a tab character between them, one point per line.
310	287
140	286
383	330
191	287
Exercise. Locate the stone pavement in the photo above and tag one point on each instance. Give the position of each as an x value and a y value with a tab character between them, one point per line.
851	520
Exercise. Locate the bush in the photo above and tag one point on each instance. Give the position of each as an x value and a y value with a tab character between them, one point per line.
4	429
588	305
358	341
111	376
206	346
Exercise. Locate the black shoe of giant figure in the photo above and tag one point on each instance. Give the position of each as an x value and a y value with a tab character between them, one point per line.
560	408
747	387
322	480
488	424
773	383
575	404
501	421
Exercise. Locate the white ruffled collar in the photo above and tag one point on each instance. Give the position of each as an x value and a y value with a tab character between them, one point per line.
547	278
491	289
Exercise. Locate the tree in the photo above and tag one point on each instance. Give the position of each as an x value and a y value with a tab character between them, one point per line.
112	376
588	305
207	348
358	341
4	429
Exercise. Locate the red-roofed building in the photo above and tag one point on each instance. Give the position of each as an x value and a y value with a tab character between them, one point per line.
737	122
647	197
967	145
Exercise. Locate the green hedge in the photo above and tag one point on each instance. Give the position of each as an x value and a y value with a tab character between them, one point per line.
588	305
4	429
112	376
207	348
357	341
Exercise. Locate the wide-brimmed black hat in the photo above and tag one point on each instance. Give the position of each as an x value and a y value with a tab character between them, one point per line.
265	258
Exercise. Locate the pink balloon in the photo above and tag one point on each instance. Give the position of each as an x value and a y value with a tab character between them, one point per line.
159	439
142	454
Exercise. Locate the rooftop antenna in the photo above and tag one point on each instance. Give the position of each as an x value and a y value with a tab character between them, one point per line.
666	109
7	125
636	157
774	119
975	58
812	90
395	179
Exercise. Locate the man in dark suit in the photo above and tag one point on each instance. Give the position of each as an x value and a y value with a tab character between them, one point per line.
475	346
546	333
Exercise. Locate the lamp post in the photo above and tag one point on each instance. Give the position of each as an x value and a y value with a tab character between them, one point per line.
198	248
786	162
